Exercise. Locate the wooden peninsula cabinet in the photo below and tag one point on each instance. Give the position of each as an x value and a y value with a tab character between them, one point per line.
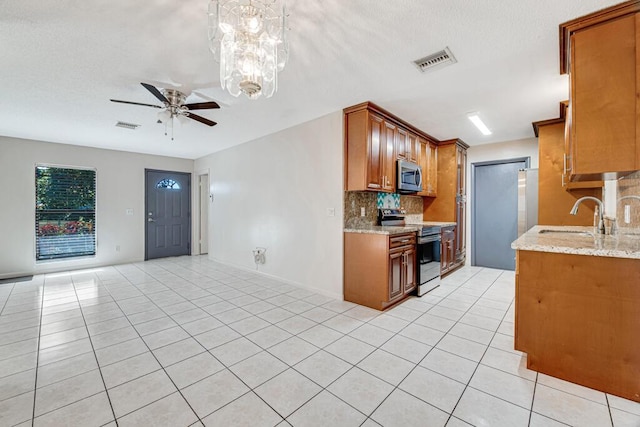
374	140
578	318
379	269
447	249
601	53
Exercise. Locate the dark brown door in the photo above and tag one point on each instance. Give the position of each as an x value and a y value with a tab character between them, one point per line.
410	272
167	214
375	165
396	266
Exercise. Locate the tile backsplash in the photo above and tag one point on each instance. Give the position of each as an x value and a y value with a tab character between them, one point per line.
629	186
371	201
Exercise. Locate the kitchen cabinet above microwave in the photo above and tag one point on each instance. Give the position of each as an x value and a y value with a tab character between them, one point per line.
600	53
375	140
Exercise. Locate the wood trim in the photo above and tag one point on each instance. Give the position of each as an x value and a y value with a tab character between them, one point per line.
563	116
595	18
456	141
391	117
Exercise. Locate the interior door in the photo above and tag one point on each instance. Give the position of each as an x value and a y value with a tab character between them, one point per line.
167	214
495	211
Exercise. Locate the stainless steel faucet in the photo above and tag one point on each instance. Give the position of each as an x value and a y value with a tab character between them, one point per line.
600	226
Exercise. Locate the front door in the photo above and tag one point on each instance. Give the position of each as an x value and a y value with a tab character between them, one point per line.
167	214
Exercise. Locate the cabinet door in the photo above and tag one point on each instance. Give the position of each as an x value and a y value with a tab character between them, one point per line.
431	173
424	164
604	99
375	166
401	143
396	267
389	157
412	147
410	271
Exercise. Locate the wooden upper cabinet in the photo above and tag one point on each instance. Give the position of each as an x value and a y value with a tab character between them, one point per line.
374	140
601	52
428	160
370	154
401	143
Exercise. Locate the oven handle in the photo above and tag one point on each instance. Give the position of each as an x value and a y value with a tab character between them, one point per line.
429	239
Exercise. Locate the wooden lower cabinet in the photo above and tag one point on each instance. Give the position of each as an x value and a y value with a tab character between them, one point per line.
448	260
379	269
578	318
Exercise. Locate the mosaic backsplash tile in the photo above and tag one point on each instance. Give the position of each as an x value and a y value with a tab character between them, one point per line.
370	201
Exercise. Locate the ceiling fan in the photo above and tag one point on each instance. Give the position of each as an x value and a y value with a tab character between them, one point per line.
174	104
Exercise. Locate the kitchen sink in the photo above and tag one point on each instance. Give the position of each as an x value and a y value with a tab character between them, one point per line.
567	232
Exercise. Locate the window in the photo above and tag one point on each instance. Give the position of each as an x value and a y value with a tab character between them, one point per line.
168	183
65	212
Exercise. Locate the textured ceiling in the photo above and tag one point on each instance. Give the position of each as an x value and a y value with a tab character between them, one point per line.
62	61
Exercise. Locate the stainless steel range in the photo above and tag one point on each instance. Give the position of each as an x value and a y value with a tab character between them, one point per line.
428	248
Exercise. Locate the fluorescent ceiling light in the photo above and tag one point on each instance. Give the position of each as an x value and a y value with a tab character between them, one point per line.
475	119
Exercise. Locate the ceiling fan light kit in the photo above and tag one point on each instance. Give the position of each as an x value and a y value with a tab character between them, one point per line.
248	39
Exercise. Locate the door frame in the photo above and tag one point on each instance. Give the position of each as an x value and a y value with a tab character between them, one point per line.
209	199
146	208
472	208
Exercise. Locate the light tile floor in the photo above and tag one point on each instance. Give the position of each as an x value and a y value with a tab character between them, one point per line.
185	341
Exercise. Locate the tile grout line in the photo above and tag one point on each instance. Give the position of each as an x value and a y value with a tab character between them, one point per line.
35	381
94	351
533	399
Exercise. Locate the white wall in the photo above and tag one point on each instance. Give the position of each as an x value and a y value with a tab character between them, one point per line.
120	186
274	192
498	151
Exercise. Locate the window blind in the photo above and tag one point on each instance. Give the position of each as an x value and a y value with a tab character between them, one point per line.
65	212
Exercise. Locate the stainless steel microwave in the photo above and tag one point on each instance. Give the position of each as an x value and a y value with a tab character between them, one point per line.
409	177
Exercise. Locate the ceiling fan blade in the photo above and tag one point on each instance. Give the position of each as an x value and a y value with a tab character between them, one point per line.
201	119
135	103
154	90
202	105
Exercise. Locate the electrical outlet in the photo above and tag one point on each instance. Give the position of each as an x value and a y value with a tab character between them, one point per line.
331	212
627	214
363	212
129	212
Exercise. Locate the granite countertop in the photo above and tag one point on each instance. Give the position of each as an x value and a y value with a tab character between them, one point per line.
433	223
380	229
578	241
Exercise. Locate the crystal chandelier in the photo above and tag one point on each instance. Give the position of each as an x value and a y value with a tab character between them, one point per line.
247	38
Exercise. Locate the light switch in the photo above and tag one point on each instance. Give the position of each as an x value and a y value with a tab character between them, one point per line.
129	212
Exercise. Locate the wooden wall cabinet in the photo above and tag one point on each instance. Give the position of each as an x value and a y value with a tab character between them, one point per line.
559	194
601	53
451	203
379	269
374	140
370	144
428	160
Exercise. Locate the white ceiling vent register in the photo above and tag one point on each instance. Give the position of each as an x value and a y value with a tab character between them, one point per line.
435	60
126	125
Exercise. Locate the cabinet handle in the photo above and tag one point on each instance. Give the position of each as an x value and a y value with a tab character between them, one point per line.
405	241
564	164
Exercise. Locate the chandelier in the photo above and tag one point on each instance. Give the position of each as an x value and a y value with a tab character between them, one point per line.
247	38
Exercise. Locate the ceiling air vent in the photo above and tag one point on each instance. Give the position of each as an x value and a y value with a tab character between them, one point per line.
436	60
126	125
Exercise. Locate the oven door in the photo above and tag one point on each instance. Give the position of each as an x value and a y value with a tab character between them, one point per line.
428	258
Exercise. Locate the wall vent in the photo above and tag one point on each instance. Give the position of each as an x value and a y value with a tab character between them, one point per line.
435	60
126	125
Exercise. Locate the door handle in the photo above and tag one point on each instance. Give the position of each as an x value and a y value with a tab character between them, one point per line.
151	220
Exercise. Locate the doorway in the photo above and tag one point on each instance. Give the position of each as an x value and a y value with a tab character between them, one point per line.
494	216
167	214
203	233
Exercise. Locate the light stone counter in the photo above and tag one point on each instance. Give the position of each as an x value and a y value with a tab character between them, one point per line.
378	229
578	241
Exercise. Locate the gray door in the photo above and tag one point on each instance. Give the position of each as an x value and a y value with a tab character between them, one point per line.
495	213
168	214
